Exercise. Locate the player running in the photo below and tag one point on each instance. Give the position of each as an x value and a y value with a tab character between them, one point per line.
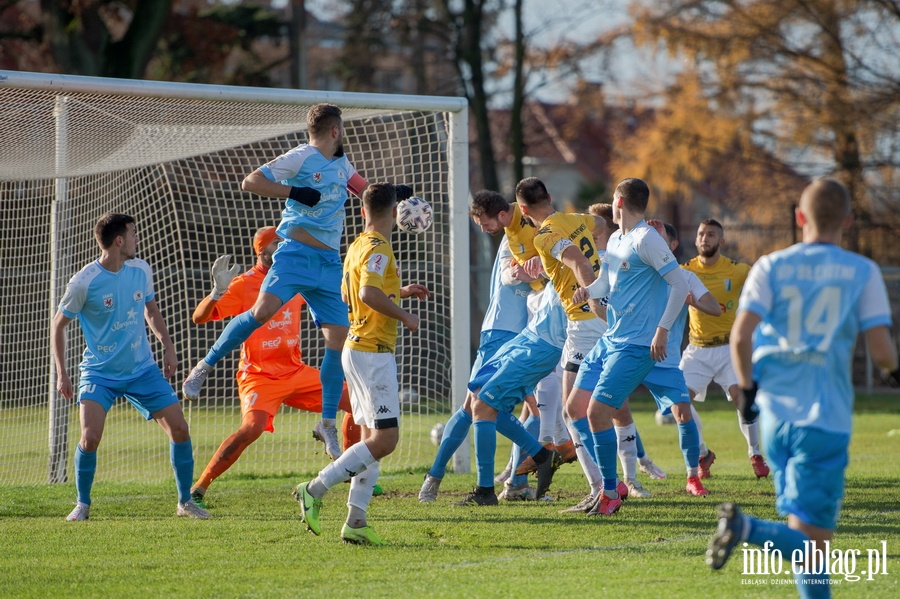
371	288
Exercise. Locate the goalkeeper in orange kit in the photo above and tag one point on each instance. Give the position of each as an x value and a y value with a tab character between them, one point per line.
271	370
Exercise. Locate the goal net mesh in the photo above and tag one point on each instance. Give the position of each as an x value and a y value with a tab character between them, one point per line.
176	165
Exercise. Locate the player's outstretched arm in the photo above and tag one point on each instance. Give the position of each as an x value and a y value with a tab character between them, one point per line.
706	304
377	299
222	275
157	324
58	346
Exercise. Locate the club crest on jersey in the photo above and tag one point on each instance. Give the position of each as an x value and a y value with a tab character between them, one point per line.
727	284
108	302
341	175
317	177
138	295
625	266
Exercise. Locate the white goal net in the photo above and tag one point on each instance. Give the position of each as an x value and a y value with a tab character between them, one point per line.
173	156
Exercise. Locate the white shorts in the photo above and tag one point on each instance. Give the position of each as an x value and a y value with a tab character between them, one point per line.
703	365
581	336
374	390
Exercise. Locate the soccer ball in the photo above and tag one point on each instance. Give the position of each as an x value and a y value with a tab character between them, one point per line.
437	433
662	419
414	215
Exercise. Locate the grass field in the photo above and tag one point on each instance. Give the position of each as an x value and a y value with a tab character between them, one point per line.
255	546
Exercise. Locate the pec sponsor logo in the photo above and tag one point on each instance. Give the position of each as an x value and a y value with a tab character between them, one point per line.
107	349
272	343
311	212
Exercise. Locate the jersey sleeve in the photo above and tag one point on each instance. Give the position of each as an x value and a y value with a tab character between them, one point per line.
653	250
285	166
695	285
873	308
149	290
232	302
374	266
757	293
550	243
73	299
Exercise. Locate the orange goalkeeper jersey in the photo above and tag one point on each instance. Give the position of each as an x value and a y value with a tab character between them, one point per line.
273	350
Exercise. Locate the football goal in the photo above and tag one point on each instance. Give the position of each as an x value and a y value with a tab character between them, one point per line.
173	156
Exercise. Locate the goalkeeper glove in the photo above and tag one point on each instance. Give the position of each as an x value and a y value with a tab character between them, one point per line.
892	378
746	404
305	195
222	276
404	192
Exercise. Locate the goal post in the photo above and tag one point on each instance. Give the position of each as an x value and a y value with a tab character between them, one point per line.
173	156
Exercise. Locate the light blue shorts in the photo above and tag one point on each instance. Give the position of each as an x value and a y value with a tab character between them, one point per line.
312	272
149	391
490	342
514	371
667	387
589	371
625	366
808	467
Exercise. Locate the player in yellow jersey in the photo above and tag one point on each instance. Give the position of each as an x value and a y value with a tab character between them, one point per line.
371	288
707	359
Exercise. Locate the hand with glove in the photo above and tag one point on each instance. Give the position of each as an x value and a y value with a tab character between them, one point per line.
305	195
222	275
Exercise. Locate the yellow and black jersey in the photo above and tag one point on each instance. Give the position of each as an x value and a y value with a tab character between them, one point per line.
724	280
559	231
370	262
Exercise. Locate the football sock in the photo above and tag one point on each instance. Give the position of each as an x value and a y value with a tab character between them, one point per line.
532	424
85	467
350	431
605	454
639	445
332	375
361	487
688	441
182	457
510	427
236	332
699	424
751	434
455	432
584	449
351	463
485	448
627	449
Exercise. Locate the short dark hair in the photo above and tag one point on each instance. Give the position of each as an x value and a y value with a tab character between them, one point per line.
321	118
379	198
488	203
110	226
711	222
635	192
532	191
671	231
605	212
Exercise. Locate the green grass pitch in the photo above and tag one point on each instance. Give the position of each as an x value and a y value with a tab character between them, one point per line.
255	545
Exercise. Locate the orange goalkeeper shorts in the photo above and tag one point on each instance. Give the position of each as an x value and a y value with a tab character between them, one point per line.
302	390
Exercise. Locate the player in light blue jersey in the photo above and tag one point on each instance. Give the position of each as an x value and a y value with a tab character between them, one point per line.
505	379
505	317
111	298
637	272
314	179
792	345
